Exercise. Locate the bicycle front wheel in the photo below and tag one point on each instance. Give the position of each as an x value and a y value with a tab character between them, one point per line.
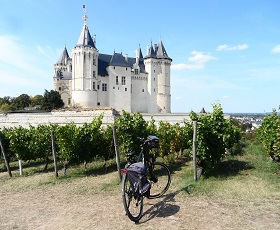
133	203
160	178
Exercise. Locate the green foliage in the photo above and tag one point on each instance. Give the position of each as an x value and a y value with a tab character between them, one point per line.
19	142
214	135
166	134
269	135
129	128
52	100
20	102
37	100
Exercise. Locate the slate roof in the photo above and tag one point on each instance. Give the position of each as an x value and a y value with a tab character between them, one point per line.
63	58
161	52
158	52
151	52
118	60
85	38
65	75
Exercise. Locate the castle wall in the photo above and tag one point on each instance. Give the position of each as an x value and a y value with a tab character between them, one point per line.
78	117
139	93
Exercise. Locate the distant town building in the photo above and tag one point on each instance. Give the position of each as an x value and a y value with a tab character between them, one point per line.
90	79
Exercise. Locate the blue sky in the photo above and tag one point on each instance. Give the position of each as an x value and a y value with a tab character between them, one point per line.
225	52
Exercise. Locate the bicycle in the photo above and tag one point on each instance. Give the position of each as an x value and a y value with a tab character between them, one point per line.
157	173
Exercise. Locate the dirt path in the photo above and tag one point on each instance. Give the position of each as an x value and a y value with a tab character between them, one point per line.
54	208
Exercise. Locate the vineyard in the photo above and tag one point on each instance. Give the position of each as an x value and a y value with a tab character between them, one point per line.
216	136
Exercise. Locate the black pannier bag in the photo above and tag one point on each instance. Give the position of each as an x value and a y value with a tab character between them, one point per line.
153	141
137	175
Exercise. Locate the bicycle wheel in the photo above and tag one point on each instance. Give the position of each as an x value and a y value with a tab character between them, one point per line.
160	179
133	203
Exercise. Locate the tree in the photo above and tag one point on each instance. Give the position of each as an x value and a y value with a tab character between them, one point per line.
21	101
37	100
52	100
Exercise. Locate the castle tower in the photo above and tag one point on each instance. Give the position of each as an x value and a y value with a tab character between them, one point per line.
85	67
163	76
62	77
150	62
157	65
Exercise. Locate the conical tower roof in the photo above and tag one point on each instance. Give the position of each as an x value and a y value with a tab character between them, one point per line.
85	38
160	51
63	57
151	52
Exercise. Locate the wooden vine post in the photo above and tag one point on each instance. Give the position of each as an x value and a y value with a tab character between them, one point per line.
5	158
117	152
194	149
54	153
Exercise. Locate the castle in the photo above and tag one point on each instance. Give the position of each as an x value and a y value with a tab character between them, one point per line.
90	79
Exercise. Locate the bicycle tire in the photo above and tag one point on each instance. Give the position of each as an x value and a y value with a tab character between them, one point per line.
133	203
160	180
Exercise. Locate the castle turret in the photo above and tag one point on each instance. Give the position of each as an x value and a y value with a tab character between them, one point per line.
62	77
85	67
150	62
163	75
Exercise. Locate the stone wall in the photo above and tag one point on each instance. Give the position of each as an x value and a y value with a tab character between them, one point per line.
56	117
61	117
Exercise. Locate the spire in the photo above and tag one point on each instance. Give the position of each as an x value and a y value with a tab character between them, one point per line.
63	57
85	15
161	52
85	38
139	56
151	52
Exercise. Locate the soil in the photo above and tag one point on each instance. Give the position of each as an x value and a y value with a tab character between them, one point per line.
59	206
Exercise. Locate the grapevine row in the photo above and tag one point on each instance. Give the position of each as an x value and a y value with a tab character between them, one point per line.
79	144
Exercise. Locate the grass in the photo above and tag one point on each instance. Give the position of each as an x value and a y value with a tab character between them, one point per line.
251	175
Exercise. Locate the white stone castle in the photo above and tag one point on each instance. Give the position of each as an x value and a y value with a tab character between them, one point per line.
91	79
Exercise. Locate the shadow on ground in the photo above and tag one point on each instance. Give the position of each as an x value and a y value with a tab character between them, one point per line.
228	168
161	209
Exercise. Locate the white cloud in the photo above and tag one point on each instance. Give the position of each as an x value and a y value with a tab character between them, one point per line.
23	68
200	57
197	62
227	47
276	49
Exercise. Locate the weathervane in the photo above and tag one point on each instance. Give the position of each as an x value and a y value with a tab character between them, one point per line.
85	15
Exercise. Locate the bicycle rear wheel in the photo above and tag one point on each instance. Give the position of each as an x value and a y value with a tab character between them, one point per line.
160	179
133	203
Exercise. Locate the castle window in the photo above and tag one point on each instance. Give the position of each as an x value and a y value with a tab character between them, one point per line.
104	87
69	101
93	85
125	89
123	80
126	69
93	74
59	88
143	90
117	80
98	103
154	71
154	90
97	86
154	79
93	61
136	71
113	87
